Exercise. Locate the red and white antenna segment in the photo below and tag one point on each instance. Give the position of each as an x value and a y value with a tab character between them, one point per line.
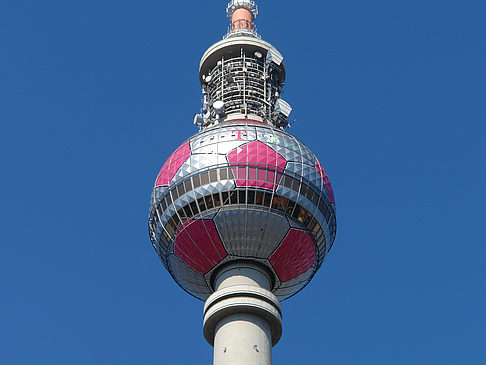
242	14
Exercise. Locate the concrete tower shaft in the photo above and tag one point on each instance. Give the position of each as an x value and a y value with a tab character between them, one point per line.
242	319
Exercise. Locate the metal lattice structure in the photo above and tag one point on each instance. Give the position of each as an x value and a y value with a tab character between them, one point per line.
245	85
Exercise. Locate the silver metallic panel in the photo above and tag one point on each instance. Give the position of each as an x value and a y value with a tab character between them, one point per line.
157	193
226	147
227	185
269	136
287	193
298	280
285	293
222	139
295	167
223	185
178	204
311	174
188	278
251	233
199	162
291	287
288	154
307	155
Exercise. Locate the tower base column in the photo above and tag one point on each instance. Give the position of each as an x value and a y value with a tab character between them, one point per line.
242	339
242	319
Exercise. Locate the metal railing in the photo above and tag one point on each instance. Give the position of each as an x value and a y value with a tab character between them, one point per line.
242	27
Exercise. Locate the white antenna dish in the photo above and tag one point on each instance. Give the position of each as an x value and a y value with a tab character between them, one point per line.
218	106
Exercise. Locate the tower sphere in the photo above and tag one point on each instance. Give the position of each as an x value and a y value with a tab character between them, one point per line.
242	190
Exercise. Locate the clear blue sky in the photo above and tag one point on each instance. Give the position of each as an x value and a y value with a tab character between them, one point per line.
95	95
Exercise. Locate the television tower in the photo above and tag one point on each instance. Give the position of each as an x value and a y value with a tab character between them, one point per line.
242	214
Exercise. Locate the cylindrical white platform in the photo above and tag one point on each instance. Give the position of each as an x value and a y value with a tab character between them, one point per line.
242	319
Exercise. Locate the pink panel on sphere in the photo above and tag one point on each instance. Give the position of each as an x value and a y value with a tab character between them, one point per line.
256	154
326	181
199	246
294	256
173	164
